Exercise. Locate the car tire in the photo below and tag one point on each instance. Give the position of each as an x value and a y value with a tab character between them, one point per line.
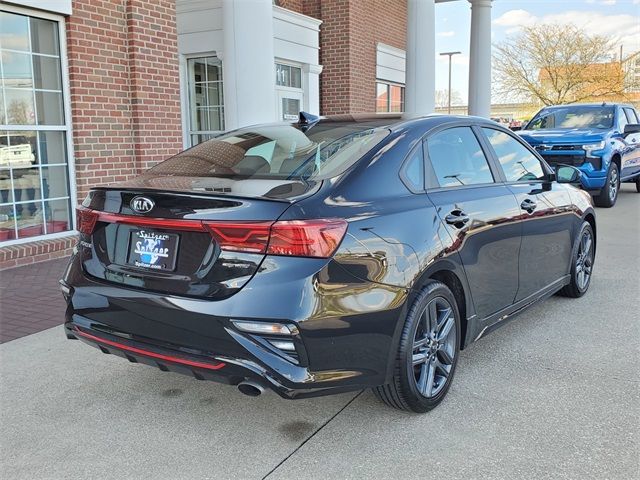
609	194
638	184
581	263
427	355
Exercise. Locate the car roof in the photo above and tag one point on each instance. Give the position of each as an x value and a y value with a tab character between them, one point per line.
594	104
403	121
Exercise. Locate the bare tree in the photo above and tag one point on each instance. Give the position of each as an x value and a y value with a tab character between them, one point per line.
557	64
442	98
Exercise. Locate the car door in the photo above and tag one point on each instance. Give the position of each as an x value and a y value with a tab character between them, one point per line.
479	213
545	212
630	161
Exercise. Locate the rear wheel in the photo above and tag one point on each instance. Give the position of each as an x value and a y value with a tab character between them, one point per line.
428	352
609	194
582	263
638	184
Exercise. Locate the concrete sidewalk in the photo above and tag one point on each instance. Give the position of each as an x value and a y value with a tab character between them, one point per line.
553	394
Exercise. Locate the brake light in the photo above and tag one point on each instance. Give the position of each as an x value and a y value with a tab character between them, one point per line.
86	220
299	238
306	238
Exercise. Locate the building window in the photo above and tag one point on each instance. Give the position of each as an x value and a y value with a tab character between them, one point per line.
35	188
288	76
389	97
289	92
206	106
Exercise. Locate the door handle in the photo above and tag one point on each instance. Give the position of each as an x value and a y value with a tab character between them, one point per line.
457	218
528	205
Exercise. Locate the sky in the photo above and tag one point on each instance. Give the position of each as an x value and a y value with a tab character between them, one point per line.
619	19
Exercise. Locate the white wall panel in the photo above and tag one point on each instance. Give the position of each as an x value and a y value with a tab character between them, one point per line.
390	63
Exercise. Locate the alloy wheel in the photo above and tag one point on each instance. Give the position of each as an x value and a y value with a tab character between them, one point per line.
434	347
613	184
584	261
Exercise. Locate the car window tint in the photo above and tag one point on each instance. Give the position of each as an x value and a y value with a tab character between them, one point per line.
518	163
457	158
276	151
414	169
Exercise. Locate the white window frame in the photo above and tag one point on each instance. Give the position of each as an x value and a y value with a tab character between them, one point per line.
389	85
294	65
67	128
184	95
294	90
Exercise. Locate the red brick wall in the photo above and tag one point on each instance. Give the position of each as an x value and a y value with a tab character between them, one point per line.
125	99
295	5
33	252
348	37
155	80
124	82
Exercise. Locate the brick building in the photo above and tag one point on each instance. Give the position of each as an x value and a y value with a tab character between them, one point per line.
95	91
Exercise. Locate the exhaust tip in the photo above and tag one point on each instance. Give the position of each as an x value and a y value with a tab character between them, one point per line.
251	389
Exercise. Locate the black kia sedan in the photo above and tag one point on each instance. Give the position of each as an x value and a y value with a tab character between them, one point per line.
328	255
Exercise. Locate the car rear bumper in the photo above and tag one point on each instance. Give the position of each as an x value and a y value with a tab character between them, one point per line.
201	365
338	348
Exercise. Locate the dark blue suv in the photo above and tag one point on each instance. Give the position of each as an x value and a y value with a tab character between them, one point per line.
602	140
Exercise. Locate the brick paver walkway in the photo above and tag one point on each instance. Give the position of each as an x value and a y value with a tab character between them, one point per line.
30	299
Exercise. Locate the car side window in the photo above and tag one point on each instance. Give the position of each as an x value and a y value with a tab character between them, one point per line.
518	163
631	115
622	120
457	158
412	172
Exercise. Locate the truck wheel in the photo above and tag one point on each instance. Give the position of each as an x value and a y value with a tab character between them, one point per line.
609	194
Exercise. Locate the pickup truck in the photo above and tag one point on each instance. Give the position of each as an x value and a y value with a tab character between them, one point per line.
602	140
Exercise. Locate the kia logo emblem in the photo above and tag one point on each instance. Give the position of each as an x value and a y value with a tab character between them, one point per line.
141	204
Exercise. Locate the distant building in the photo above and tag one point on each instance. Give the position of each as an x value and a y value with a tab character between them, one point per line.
607	81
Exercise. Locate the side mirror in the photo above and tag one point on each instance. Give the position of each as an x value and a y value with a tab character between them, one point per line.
632	128
568	174
515	128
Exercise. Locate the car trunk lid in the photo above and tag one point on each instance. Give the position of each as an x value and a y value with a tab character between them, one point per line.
185	241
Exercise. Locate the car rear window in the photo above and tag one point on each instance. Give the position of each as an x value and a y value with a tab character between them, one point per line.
278	151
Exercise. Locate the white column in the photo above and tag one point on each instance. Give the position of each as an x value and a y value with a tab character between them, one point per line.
311	86
248	66
480	59
421	57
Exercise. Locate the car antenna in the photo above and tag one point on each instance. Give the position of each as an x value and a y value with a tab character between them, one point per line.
307	120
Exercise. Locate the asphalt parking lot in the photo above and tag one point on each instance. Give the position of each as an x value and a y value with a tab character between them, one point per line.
553	394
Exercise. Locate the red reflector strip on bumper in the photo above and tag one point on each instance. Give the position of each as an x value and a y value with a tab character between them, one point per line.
147	353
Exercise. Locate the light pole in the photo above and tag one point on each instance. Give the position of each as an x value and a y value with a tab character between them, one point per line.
450	54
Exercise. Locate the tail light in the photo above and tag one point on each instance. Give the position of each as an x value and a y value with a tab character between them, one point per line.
240	237
295	238
86	220
299	238
306	238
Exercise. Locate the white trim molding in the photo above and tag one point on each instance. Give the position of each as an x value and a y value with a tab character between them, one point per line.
62	7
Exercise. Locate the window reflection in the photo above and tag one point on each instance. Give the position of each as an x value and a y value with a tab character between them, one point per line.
34	175
518	163
389	97
457	158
